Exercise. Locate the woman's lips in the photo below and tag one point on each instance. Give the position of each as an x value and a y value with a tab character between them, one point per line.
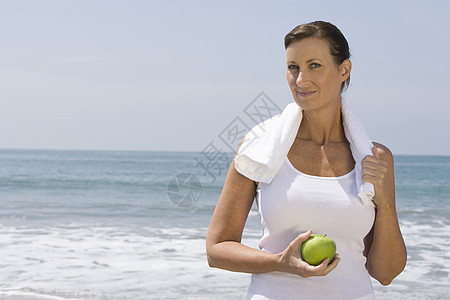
305	94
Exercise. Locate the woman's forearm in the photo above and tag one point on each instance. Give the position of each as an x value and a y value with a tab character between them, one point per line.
387	256
234	256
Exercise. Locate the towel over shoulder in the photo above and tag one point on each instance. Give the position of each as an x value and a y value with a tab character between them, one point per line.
265	146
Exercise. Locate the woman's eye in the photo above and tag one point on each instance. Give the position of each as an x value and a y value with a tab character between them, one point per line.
292	67
314	65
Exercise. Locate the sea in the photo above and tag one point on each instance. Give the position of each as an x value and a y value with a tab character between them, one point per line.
132	225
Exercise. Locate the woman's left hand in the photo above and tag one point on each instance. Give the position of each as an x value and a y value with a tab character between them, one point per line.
376	171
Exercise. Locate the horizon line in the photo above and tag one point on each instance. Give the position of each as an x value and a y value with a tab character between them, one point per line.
149	150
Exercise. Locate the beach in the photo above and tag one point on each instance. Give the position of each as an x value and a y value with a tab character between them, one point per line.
122	225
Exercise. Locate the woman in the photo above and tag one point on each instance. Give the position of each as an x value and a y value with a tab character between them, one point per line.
314	189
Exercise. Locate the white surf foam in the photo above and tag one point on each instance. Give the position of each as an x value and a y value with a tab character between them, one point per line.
80	261
109	262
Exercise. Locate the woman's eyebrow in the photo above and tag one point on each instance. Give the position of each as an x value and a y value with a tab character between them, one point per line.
310	60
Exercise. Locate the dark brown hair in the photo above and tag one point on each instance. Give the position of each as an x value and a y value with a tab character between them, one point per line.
323	30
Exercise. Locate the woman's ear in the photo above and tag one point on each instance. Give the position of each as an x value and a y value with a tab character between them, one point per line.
345	68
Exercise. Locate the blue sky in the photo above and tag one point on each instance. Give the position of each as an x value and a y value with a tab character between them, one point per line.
171	75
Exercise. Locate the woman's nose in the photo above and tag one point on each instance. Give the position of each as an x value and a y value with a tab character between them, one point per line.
302	79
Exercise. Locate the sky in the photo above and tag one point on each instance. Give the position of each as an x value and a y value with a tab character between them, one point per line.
173	75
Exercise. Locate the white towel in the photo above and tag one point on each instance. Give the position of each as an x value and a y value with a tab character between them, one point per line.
265	147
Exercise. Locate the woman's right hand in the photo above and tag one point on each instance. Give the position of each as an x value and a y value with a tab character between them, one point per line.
290	261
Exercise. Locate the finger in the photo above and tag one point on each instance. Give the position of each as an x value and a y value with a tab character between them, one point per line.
318	270
336	256
368	164
323	265
375	165
370	170
375	152
370	159
301	238
326	262
333	264
321	269
374	169
375	180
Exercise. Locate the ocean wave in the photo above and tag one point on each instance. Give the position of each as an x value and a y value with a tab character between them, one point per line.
103	260
110	261
34	294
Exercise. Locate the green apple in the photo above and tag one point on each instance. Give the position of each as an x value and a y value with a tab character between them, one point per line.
316	248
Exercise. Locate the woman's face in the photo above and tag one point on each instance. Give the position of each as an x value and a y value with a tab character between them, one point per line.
313	76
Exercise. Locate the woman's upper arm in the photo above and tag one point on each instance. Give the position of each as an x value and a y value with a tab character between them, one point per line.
233	206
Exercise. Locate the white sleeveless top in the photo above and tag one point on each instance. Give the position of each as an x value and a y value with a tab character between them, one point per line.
295	202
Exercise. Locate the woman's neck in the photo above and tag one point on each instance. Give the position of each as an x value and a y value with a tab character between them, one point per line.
323	125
